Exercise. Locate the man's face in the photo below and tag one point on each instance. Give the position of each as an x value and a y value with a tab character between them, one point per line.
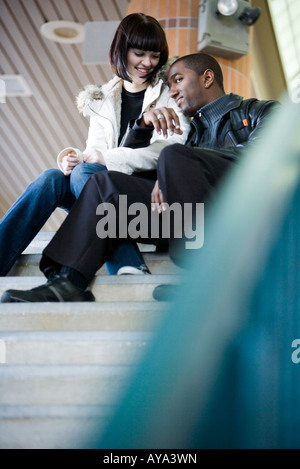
187	88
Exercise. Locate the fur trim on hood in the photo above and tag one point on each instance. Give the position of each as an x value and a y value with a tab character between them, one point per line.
86	94
90	92
162	73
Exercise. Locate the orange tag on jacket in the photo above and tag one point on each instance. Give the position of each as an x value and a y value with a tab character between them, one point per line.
245	122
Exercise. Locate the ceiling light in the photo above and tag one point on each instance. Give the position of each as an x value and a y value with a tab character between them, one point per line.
65	32
227	7
12	86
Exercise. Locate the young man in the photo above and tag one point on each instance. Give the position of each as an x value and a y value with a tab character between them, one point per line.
186	174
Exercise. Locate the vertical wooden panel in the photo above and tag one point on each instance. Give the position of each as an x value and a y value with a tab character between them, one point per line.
35	128
172	37
173	9
184	7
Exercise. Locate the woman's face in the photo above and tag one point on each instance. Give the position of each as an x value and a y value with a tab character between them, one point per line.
140	63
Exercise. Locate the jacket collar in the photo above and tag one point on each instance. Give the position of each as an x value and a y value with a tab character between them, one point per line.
219	107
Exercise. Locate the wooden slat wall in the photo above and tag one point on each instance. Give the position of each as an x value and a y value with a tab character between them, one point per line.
34	129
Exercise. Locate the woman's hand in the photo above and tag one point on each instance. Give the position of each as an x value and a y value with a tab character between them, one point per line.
93	156
157	199
68	163
163	119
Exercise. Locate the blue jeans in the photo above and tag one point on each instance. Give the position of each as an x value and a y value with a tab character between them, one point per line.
30	212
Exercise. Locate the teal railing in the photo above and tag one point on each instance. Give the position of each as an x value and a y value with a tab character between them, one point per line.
221	371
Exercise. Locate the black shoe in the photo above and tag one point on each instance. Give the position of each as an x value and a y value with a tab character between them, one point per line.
164	292
57	289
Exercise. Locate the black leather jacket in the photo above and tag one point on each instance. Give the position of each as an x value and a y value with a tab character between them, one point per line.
225	125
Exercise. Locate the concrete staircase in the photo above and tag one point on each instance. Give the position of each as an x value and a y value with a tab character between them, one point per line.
64	367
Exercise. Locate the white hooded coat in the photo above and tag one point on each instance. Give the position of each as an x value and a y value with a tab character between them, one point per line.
103	105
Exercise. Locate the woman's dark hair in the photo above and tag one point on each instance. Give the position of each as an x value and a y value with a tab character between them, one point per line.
200	62
137	31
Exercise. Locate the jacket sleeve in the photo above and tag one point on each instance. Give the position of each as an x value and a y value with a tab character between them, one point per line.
138	137
259	114
96	135
145	145
131	160
96	138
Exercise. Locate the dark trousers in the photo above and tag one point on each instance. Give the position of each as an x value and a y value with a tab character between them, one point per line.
185	175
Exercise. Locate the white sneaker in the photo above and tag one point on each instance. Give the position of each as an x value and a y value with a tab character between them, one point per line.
129	270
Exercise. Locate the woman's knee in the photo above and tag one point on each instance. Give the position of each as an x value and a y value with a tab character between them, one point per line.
51	173
85	170
80	175
78	178
76	173
51	183
50	177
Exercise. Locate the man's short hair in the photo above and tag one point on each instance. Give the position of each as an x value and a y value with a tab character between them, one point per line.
200	62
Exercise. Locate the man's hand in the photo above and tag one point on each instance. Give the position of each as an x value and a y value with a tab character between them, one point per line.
157	199
93	156
163	119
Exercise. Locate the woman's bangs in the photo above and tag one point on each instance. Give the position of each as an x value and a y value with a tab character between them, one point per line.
147	39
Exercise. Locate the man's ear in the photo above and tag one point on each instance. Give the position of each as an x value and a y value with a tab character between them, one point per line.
208	78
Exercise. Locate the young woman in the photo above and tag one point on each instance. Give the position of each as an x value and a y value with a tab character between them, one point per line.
138	56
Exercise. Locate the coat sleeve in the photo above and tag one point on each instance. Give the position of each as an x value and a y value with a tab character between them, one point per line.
96	135
131	160
97	138
259	114
138	137
143	158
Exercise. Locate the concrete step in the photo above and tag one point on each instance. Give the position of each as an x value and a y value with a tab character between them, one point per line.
158	263
52	427
105	288
109	316
39	242
67	364
44	237
74	348
72	385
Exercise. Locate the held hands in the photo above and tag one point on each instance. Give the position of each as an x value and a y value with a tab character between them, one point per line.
93	156
163	119
71	160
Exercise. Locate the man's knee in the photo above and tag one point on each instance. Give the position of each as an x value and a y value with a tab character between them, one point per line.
111	178
169	155
108	183
113	184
